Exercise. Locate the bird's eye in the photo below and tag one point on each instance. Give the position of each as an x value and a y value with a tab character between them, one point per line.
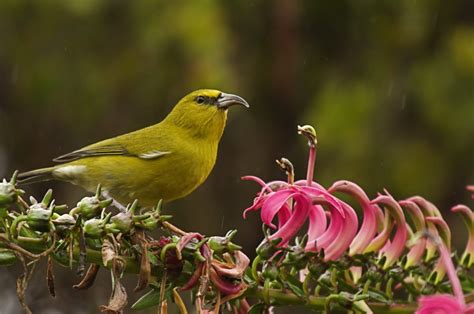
200	99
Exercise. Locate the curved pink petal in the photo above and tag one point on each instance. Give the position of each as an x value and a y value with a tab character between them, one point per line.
445	235
383	237
395	250
349	228
368	228
188	237
256	179
269	187
467	257
232	270
443	229
225	286
337	238
273	204
257	203
194	279
317	191
428	208
300	213
317	224
416	252
284	215
276	185
415	213
305	183
331	233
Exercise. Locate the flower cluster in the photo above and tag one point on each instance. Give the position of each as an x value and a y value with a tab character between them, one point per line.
328	249
386	246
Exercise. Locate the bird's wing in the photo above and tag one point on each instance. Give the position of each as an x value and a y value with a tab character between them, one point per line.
109	150
106	150
134	144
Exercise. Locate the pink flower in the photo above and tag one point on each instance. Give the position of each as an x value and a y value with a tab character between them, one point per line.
295	202
290	220
467	257
372	215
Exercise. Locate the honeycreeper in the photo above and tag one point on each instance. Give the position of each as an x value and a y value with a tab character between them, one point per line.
164	161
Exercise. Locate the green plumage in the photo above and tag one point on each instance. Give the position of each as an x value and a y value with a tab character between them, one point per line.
164	161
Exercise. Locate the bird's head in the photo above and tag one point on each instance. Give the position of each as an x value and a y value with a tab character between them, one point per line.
204	111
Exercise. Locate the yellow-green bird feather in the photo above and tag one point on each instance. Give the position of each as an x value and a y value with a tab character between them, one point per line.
165	161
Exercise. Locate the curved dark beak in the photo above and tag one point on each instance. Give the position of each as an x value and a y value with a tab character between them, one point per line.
226	100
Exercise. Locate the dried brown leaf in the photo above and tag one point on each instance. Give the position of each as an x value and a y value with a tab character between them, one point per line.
82	253
108	252
118	299
89	278
50	278
145	270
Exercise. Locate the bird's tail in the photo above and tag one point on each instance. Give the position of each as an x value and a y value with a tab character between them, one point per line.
34	176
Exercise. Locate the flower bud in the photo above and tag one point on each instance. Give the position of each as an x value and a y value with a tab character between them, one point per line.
64	223
120	223
95	227
90	207
270	271
223	244
8	192
268	248
38	217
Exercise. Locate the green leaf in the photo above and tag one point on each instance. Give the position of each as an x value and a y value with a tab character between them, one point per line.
378	296
151	298
152	258
293	283
257	308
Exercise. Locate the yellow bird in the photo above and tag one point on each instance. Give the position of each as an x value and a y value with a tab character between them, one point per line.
165	161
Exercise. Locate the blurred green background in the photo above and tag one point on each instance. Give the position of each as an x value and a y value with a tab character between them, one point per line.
389	86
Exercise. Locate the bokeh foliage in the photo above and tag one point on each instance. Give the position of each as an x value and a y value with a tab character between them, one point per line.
388	85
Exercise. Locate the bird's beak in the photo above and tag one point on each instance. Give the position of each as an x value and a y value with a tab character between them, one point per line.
226	100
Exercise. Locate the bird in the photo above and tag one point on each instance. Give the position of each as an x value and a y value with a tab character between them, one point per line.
162	162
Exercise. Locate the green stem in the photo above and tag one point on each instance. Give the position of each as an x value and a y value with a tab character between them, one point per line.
318	303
